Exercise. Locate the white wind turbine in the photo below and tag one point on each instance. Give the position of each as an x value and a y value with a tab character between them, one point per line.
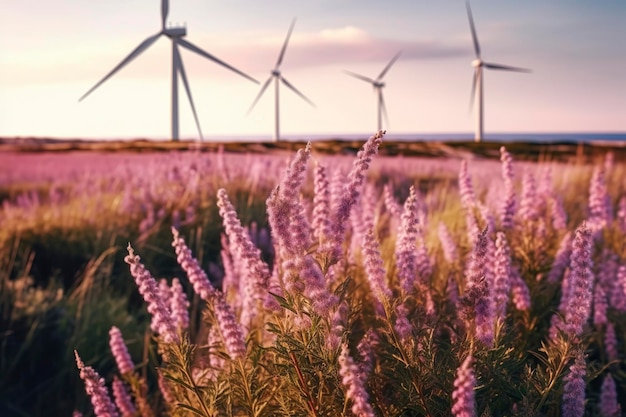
277	77
477	84
378	85
176	34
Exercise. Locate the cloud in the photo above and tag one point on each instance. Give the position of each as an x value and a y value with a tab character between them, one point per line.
344	45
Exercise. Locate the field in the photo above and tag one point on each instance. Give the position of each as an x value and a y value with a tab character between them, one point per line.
330	279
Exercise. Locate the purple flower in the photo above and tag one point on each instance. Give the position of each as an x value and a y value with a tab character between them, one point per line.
519	291
621	213
573	402
95	388
123	399
321	205
609	405
466	190
618	293
463	402
557	211
528	210
351	379
507	209
120	351
477	300
600	210
561	259
502	277
148	288
179	305
578	307
196	275
374	269
406	255
600	306
256	274
351	192
403	326
450	251
610	342
232	334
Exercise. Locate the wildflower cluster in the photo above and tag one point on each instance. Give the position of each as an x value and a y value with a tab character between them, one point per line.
357	313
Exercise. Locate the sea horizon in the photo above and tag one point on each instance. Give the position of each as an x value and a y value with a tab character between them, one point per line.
532	137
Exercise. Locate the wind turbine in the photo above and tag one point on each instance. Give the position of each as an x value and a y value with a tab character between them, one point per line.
276	75
378	85
477	84
176	34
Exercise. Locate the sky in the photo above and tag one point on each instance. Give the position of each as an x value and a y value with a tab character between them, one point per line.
53	52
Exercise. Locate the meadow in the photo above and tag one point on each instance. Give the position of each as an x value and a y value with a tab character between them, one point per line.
217	281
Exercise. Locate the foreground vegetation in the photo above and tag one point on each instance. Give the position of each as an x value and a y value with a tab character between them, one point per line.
340	286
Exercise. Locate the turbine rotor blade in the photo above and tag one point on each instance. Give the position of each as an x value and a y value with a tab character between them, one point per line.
193	48
165	8
181	69
295	90
505	67
258	97
473	28
284	48
134	54
360	77
384	71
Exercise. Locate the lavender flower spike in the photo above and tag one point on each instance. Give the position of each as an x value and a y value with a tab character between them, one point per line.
609	405
179	305
507	210
120	351
463	402
406	255
352	190
148	288
573	403
502	278
450	251
375	269
578	307
95	388
123	399
355	389
197	277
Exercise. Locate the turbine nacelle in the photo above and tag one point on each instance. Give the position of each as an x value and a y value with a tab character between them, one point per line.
477	63
175	31
378	84
276	73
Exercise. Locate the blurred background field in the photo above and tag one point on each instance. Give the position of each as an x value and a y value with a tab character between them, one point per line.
68	210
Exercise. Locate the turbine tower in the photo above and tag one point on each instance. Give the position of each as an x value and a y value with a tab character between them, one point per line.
378	85
276	75
176	34
477	83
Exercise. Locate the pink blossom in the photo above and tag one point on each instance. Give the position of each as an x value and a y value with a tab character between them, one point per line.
573	402
609	405
148	288
123	399
578	307
95	388
463	402
196	275
321	204
351	379
406	254
450	251
374	269
179	305
120	351
561	259
507	209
